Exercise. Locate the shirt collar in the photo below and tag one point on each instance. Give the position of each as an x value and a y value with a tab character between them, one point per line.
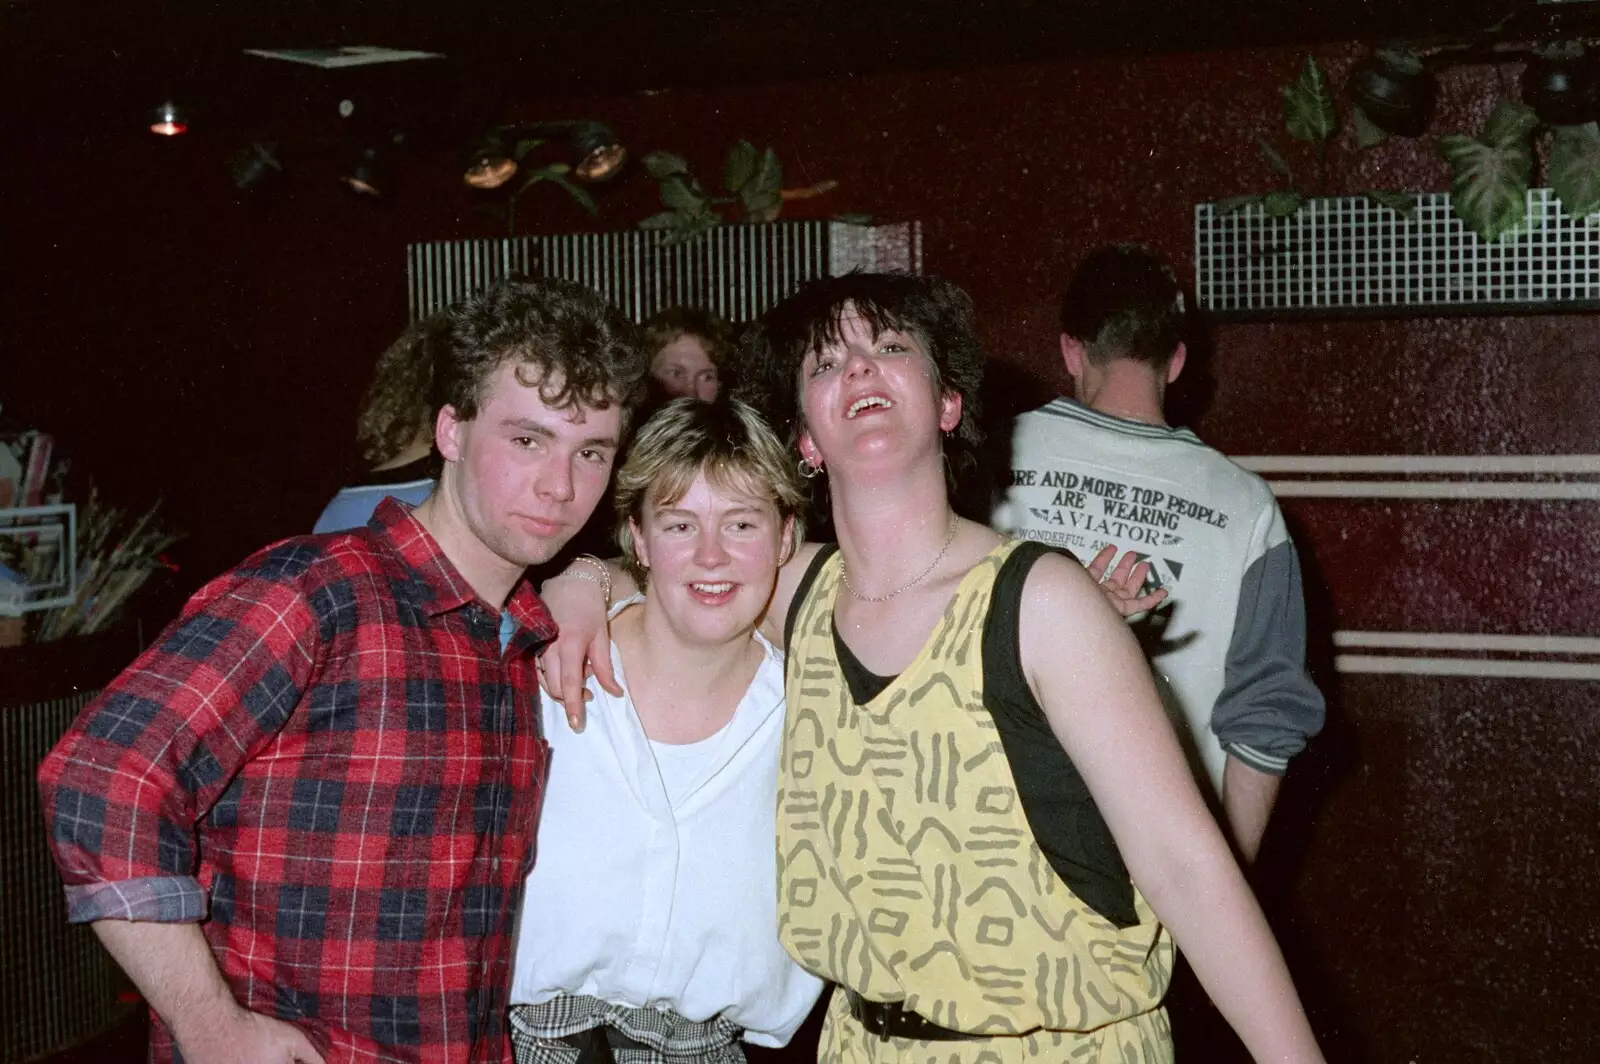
439	585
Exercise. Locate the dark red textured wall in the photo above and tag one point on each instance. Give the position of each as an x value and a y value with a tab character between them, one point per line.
1432	867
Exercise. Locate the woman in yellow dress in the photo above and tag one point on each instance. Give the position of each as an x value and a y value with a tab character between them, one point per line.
988	836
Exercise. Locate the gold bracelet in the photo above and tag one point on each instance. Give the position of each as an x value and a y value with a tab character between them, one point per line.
600	576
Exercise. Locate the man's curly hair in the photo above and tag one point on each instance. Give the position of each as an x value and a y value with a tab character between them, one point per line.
396	409
563	338
937	313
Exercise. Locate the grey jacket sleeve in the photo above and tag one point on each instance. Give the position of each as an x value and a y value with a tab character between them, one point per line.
1268	707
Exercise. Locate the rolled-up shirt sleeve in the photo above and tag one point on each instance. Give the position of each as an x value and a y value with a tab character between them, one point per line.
1269	707
125	787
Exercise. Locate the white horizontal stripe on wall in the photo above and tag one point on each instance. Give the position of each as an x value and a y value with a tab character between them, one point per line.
1522	670
1491	464
1511	644
1433	489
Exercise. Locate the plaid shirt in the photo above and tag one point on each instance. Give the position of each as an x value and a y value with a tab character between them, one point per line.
328	760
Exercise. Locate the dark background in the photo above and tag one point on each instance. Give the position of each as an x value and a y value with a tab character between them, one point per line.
1431	870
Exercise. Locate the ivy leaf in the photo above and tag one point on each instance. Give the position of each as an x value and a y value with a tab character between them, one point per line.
677	194
662	165
664	220
763	195
1274	160
1308	112
577	192
1509	125
1282	203
1233	205
1574	168
740	167
1368	135
1490	187
524	147
1402	203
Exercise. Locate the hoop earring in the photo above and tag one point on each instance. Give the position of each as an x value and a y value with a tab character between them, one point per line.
809	471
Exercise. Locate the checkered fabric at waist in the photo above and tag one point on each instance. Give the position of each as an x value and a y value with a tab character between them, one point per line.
658	1035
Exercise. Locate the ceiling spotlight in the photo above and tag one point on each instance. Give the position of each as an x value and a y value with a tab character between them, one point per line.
600	154
1394	89
169	120
1559	83
490	171
255	166
368	177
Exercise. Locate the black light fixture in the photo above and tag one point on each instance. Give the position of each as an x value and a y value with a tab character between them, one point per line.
600	154
597	154
1559	83
367	176
255	166
169	120
1395	90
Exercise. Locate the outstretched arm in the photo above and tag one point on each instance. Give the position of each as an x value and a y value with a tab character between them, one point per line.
1096	690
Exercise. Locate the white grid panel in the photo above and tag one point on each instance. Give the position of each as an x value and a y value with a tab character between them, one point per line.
737	271
1351	254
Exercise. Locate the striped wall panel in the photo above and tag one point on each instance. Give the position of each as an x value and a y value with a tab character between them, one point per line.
59	986
737	271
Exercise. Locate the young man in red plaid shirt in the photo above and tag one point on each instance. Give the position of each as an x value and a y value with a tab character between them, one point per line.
302	819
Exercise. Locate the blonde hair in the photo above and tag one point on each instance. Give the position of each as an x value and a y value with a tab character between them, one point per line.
727	441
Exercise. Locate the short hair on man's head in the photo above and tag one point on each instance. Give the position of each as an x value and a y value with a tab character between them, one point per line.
1124	302
669	323
937	313
562	337
398	408
724	439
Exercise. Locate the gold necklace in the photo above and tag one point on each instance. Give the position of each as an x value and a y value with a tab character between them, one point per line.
844	571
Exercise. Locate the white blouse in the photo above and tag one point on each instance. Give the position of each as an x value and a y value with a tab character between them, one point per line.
649	901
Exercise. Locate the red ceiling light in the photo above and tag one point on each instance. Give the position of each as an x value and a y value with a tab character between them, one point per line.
169	120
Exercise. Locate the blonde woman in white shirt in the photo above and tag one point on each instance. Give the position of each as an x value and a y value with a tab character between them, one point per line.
649	926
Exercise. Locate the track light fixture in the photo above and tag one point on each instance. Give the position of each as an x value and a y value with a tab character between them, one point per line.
1395	90
368	176
1560	84
169	120
596	152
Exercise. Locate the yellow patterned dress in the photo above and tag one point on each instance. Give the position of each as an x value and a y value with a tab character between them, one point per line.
908	870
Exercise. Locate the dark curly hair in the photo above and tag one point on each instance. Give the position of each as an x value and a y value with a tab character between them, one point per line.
397	406
666	325
1124	301
937	313
564	339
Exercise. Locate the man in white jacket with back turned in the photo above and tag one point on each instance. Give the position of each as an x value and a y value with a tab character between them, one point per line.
1104	467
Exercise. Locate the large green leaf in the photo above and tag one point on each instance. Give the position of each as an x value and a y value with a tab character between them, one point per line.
1402	203
525	146
1233	204
663	220
662	165
763	195
1490	188
1510	124
1274	160
1308	111
740	167
1575	168
1368	135
577	192
1282	203
680	196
